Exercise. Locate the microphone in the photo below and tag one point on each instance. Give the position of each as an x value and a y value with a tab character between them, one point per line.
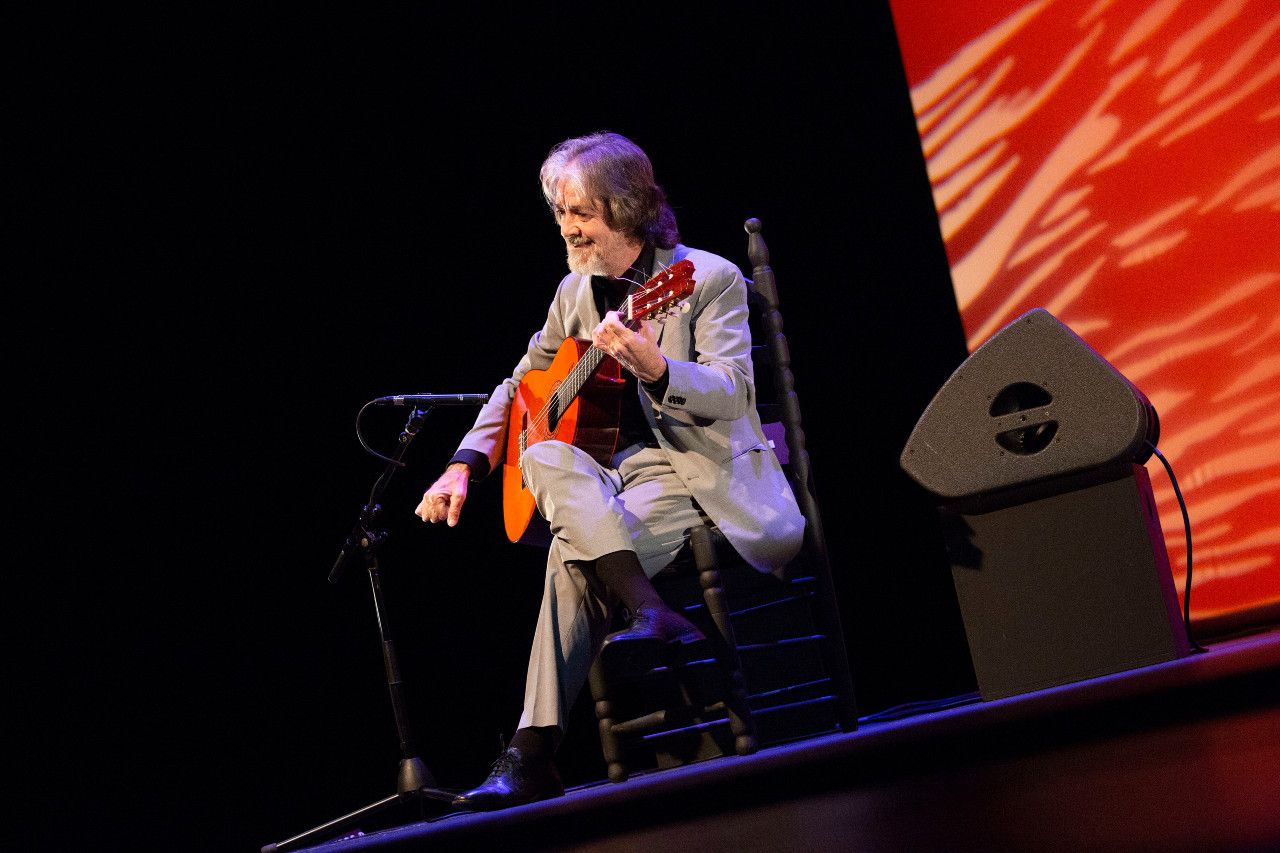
433	400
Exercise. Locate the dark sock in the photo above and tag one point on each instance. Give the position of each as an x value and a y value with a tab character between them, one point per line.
537	743
621	573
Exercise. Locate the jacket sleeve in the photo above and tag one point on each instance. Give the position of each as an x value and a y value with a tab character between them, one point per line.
714	379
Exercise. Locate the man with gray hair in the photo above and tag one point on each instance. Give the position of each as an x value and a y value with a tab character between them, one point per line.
690	448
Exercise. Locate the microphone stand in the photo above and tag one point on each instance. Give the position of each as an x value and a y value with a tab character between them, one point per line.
414	782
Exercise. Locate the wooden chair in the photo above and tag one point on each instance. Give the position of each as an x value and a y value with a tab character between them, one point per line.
777	669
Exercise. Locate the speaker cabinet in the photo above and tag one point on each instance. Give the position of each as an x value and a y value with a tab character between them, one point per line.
1065	587
1034	447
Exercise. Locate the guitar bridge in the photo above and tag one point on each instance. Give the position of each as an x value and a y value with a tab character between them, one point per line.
524	443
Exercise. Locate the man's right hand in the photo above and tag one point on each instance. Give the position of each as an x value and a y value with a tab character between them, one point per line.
444	500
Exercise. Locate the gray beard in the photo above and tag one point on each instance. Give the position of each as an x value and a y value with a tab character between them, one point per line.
591	264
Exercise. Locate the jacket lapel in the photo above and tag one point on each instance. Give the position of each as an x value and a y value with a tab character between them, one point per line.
662	259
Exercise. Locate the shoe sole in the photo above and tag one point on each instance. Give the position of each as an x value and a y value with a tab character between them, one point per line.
635	658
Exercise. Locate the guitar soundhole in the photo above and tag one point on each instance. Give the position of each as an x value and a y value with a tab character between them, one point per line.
553	413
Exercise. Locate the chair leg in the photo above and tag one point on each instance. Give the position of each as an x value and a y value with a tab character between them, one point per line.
737	707
610	746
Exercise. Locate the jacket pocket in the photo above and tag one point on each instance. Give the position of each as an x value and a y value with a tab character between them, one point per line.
745	450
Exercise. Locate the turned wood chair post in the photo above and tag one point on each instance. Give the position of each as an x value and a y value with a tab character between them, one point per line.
801	474
723	641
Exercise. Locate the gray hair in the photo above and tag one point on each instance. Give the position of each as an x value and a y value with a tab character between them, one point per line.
613	170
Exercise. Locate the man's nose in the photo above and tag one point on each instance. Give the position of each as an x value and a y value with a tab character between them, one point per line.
568	228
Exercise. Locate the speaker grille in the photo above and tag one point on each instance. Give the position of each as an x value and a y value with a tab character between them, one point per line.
1033	403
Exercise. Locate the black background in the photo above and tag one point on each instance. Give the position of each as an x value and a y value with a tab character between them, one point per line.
248	223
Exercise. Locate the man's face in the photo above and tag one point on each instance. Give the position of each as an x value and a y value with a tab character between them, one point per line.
593	247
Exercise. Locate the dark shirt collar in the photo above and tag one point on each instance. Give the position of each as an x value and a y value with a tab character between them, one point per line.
614	290
642	269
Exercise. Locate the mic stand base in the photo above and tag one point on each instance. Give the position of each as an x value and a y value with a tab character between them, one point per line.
411	770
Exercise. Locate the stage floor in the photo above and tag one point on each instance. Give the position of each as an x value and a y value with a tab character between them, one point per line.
1183	755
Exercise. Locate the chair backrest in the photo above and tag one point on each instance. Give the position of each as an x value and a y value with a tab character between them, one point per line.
779	670
779	408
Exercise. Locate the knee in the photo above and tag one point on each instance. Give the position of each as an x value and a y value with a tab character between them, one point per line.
545	455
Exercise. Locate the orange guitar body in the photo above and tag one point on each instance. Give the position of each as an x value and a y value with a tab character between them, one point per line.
589	422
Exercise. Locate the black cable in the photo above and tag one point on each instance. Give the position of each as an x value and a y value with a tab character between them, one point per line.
911	709
1186	526
365	444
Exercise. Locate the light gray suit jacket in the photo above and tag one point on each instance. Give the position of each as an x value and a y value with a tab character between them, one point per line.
706	420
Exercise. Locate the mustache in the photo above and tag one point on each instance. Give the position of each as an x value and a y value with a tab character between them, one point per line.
577	240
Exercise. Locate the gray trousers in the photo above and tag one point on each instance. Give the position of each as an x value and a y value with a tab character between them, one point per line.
638	504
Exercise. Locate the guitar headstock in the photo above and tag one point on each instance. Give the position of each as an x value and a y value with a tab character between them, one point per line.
660	294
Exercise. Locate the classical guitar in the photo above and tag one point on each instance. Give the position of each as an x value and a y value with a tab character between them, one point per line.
577	400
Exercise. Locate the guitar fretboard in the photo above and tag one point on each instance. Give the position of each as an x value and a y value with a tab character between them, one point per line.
569	388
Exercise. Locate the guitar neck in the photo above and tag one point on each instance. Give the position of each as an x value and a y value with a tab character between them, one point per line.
578	377
586	366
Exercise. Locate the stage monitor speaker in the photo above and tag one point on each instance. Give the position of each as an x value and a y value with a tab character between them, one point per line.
1034	446
1032	403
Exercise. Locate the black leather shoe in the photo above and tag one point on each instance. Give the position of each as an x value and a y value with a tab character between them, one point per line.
513	781
642	645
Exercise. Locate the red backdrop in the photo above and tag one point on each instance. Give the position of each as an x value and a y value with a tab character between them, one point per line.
1117	162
